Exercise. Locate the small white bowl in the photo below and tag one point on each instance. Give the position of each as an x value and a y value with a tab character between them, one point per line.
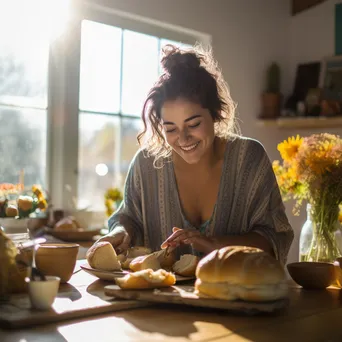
43	293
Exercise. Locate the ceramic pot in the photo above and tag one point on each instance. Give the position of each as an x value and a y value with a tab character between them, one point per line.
57	259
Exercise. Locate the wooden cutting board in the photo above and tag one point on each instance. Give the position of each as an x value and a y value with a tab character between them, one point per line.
111	275
82	296
184	294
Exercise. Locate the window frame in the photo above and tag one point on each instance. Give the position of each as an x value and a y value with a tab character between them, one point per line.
63	92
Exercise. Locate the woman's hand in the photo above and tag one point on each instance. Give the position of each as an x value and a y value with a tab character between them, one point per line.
120	240
189	237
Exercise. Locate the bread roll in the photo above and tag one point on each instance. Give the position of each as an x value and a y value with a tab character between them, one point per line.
145	262
146	279
131	254
125	263
25	203
74	221
122	258
11	211
136	251
165	258
186	265
66	224
239	272
102	256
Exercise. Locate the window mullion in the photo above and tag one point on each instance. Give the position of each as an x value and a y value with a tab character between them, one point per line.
118	146
56	113
63	121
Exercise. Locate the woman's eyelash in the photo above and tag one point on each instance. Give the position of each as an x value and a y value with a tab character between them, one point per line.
171	130
195	125
190	126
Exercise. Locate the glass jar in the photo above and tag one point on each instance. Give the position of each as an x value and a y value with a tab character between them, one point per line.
306	235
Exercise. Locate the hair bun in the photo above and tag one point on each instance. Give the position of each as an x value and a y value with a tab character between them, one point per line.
174	60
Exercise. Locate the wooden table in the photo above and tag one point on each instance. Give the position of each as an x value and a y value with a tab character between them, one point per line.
312	316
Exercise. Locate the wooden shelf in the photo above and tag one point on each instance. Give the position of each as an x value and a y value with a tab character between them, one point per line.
302	122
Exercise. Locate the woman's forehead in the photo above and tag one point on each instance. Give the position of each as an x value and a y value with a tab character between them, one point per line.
180	108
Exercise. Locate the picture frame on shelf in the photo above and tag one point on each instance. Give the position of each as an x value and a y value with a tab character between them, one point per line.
331	78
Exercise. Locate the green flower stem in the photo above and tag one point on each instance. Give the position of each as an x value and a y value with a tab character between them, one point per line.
324	216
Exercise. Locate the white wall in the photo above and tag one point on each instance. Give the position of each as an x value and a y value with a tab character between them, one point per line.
246	37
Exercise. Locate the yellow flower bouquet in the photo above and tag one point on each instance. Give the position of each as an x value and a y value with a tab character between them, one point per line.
113	198
311	170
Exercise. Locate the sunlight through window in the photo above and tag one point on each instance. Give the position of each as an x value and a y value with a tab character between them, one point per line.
27	28
118	68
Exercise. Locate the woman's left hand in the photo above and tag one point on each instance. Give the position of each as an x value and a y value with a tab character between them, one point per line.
189	237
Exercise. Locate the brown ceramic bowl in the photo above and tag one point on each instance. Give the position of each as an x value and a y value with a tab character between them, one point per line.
312	275
57	259
338	270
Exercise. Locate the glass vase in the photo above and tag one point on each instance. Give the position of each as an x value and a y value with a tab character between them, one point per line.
325	225
306	235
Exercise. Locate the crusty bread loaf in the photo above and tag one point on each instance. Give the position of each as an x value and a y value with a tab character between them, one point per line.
102	256
146	279
186	265
239	272
144	262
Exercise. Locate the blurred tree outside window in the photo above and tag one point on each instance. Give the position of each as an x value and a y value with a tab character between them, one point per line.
24	50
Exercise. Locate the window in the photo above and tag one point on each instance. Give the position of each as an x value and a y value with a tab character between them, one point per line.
72	84
24	47
118	67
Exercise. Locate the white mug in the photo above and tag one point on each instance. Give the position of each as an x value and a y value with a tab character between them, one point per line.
43	292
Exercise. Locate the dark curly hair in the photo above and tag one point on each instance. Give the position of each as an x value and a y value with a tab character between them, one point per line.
190	74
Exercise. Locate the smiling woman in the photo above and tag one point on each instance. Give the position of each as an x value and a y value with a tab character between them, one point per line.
196	185
198	81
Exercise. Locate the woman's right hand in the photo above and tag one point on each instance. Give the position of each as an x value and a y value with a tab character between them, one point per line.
120	240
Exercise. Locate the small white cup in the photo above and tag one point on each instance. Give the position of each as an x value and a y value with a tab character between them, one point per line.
43	293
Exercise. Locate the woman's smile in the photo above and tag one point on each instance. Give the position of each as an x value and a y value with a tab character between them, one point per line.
189	148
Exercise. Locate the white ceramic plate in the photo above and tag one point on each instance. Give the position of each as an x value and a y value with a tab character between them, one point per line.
110	275
104	275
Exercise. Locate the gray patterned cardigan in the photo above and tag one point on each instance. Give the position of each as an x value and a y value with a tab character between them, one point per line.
248	200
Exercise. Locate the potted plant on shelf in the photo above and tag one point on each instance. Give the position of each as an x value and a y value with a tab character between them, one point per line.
272	97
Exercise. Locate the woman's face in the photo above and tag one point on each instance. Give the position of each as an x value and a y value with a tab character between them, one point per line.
188	129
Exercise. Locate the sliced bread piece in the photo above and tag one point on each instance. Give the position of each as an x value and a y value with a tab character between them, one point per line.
102	256
144	262
186	265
